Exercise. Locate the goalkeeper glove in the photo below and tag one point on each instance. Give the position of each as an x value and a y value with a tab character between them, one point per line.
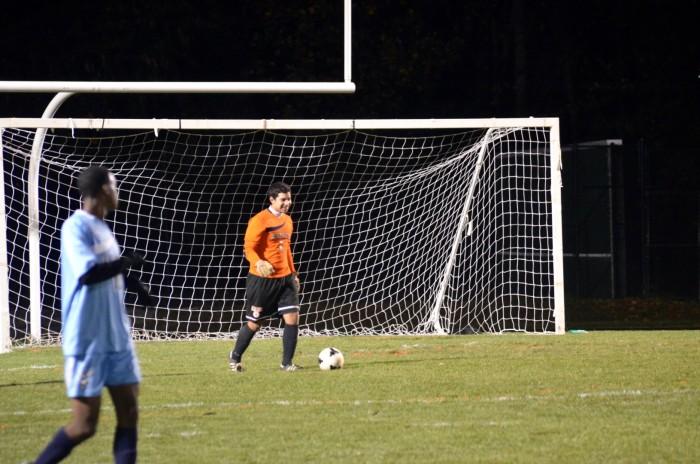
264	268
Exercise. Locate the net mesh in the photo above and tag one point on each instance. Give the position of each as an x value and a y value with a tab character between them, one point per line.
377	238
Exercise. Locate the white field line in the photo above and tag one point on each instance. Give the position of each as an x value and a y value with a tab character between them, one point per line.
33	366
436	400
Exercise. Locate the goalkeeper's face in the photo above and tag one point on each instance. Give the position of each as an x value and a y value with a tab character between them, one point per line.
282	202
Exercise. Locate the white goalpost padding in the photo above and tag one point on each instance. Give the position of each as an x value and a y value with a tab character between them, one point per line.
401	226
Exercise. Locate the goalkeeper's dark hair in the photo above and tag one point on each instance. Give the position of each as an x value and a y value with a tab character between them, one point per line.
91	180
276	188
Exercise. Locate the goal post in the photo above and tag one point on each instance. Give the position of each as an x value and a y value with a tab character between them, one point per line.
5	340
401	226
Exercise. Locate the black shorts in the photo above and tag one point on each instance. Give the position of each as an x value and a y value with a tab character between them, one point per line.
275	296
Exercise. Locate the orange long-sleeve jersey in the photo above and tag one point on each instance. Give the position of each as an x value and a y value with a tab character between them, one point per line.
268	237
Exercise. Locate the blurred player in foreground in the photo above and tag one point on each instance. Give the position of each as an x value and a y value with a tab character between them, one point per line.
97	346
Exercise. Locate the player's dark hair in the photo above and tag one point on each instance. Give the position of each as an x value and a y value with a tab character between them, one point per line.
91	180
276	188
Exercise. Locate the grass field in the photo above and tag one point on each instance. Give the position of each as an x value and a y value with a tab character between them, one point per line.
593	397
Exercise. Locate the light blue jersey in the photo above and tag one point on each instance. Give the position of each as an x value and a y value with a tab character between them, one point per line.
94	317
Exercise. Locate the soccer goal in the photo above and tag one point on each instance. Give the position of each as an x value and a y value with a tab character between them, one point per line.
401	226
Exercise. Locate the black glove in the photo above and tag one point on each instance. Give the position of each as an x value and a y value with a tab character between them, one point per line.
104	271
143	296
130	259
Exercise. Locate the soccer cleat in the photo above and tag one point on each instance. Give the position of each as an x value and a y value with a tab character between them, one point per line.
290	367
235	366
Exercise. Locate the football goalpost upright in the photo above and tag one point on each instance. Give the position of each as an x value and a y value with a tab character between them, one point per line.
401	226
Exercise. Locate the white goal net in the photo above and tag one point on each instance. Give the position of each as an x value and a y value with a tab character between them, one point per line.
396	231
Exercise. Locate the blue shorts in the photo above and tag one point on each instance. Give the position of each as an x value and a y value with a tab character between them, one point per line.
87	375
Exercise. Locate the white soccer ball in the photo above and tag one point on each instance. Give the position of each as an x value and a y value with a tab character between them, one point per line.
330	358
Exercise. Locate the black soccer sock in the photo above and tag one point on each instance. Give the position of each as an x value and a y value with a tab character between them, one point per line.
245	335
124	448
289	343
59	447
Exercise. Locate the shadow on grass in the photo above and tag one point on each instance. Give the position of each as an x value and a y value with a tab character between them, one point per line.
26	384
177	374
357	364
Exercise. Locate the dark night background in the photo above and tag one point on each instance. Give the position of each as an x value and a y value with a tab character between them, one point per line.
607	69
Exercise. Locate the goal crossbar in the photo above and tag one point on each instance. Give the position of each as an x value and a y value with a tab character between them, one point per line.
271	124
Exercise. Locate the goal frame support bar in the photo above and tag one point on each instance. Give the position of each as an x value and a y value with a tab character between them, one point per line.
463	221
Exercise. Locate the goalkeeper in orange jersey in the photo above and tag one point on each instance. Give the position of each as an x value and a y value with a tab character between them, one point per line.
272	284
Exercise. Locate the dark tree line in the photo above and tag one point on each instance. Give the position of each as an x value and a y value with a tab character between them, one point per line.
607	68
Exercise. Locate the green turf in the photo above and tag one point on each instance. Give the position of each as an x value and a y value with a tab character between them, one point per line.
593	397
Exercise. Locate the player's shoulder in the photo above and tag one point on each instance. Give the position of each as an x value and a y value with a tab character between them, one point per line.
257	221
81	223
261	216
78	219
265	218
